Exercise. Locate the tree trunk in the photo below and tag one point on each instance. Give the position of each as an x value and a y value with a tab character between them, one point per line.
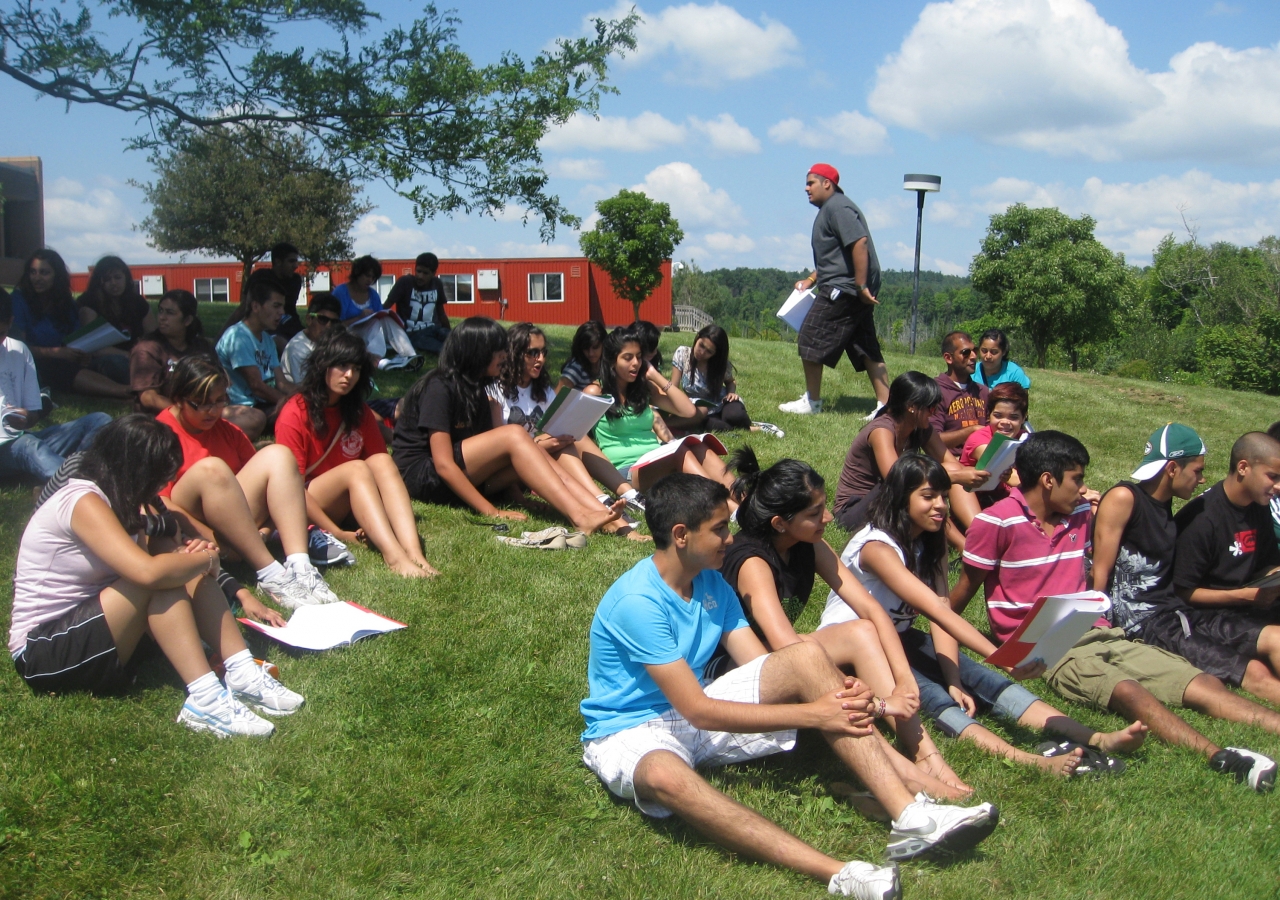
1075	359
635	305
1041	351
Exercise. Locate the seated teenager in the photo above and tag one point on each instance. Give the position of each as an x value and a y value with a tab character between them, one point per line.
704	372
86	591
1216	621
1007	415
340	452
963	409
996	367
247	350
225	488
583	365
359	298
178	333
901	426
113	295
771	566
629	429
44	314
418	300
900	557
448	449
1033	544
653	716
23	452
522	394
323	312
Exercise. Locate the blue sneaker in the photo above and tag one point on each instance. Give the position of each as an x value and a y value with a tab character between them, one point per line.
326	550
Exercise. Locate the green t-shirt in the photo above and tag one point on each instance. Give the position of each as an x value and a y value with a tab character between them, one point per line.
627	438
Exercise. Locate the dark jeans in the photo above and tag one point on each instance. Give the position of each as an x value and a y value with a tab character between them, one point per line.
430	339
39	453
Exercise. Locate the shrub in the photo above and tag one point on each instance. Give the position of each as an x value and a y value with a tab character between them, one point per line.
1136	368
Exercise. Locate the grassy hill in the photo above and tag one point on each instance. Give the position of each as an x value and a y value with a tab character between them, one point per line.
443	760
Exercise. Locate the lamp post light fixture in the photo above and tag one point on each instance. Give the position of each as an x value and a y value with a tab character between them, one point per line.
921	184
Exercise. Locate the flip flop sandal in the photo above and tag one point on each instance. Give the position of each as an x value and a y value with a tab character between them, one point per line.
574	540
1093	762
553	542
500	527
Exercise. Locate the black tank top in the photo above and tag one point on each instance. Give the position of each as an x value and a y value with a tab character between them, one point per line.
1141	581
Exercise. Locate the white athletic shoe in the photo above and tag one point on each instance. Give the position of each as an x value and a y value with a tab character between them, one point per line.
313	582
875	412
866	882
228	718
266	694
770	428
926	827
802	407
288	590
1247	766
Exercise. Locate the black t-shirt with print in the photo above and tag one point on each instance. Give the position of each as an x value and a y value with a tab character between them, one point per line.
1142	580
1222	546
436	409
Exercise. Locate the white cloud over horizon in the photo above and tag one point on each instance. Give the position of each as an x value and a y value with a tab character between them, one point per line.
693	201
847	132
725	135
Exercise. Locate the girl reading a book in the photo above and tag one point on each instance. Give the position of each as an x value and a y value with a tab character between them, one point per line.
1007	415
629	429
900	557
583	365
522	395
771	564
113	296
88	586
449	449
343	459
359	298
226	488
705	374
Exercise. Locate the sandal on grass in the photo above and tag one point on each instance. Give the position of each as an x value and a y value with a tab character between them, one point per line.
1093	762
554	538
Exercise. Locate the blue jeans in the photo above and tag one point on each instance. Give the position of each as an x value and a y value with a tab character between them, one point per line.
987	687
39	453
430	339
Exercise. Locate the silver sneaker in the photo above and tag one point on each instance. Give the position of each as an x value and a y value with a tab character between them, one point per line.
266	694
288	590
228	718
313	582
866	882
926	827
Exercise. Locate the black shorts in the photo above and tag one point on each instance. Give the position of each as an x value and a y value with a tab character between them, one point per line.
56	373
424	482
845	325
853	515
74	652
1219	641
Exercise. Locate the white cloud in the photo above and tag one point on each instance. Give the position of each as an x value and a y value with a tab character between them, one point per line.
710	44
905	256
577	169
647	131
790	251
726	135
724	242
377	235
692	200
1053	75
86	223
517	250
847	132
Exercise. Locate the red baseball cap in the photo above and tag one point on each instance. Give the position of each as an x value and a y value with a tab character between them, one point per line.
822	170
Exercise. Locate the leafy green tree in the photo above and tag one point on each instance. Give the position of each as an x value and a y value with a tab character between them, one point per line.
1045	271
632	238
235	191
408	107
691	286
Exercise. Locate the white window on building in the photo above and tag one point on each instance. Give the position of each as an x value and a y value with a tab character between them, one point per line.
459	288
213	290
385	284
546	288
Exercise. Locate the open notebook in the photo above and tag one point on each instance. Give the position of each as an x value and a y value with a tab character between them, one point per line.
327	626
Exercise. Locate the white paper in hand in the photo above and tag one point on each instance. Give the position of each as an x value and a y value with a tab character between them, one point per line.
793	312
327	626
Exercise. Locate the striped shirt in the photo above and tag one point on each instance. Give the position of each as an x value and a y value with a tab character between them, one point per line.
1024	563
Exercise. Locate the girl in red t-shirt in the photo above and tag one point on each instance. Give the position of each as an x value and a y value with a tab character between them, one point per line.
227	488
1007	415
340	452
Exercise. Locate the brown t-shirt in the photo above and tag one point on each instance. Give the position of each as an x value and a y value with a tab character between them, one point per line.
151	361
962	406
860	472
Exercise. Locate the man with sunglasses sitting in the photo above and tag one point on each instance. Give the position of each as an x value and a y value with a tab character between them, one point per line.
323	312
963	409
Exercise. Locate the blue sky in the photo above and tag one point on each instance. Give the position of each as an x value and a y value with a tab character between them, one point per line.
1140	113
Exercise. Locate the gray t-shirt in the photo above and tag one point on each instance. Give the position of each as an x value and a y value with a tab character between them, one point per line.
839	225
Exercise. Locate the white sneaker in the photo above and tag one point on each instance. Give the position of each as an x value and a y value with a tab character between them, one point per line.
926	827
313	582
1247	766
866	882
770	428
266	694
288	590
228	718
875	412
802	407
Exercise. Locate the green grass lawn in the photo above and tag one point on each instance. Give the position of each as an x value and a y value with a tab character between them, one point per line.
443	760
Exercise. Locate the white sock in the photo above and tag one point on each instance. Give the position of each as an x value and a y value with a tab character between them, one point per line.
631	494
298	561
275	570
205	690
240	668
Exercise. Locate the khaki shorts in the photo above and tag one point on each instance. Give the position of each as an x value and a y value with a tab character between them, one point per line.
1103	658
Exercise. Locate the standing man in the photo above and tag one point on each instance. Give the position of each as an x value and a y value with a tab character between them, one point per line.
847	277
419	301
284	266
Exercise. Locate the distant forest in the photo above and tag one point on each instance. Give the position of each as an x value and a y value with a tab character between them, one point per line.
744	301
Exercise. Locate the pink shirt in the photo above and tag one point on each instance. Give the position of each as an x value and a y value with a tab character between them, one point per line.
980	438
1025	564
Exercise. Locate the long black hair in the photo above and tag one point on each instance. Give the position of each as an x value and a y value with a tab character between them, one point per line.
518	340
189	307
890	511
717	365
94	295
336	347
464	368
633	399
911	389
589	334
130	460
784	489
57	303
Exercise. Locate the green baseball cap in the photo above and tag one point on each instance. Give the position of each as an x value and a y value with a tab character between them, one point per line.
1172	442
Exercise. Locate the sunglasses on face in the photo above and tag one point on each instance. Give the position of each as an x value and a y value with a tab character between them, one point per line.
327	320
535	352
215	406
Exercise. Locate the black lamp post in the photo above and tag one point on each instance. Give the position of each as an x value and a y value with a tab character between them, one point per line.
921	184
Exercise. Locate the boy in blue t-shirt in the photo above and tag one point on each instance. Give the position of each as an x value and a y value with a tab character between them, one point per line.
248	352
652	716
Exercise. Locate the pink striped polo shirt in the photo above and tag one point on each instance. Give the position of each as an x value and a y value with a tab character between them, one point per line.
1024	563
